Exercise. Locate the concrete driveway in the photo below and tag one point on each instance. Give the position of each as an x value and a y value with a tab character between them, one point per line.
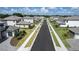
6	46
74	43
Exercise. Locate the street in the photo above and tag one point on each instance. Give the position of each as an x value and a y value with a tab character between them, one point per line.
43	41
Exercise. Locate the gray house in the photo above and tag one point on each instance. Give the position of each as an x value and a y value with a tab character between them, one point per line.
2	31
11	31
75	32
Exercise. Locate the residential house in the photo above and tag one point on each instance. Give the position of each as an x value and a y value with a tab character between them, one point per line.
11	31
11	20
2	31
75	32
28	19
72	21
37	19
24	24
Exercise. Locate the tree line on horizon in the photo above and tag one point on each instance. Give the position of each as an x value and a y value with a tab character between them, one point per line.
22	15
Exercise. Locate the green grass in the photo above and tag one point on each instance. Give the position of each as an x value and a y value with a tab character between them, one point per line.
63	33
55	39
28	31
30	41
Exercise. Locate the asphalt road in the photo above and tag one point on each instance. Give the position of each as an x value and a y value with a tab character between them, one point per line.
43	41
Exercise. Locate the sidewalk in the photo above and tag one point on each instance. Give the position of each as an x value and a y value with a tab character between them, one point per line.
22	48
62	48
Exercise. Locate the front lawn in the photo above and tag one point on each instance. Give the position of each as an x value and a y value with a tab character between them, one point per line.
55	39
28	31
63	33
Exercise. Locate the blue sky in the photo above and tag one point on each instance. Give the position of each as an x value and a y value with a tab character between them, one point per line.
41	10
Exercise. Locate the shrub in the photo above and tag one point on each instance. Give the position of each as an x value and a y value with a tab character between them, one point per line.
56	25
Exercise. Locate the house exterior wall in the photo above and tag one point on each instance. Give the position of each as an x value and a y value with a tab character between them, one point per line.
73	23
76	36
11	23
63	25
23	26
0	36
29	20
13	34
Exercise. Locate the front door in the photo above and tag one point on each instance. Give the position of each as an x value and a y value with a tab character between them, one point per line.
9	33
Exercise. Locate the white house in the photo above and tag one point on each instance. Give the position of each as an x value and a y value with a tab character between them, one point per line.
11	20
28	19
24	24
72	21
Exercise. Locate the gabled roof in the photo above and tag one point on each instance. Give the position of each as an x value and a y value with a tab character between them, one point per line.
60	19
75	29
28	17
12	18
61	22
72	18
11	28
24	23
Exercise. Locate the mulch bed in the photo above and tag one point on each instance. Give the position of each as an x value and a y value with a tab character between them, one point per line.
14	41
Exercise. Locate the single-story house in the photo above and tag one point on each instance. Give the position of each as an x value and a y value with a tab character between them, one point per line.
75	32
11	31
11	20
24	24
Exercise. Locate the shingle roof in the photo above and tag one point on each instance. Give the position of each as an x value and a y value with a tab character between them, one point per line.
72	18
23	23
28	17
75	30
61	22
12	18
1	22
12	28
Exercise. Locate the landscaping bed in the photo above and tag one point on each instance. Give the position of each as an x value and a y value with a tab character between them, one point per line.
28	31
63	33
14	41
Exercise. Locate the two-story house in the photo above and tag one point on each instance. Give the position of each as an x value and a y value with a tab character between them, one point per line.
11	20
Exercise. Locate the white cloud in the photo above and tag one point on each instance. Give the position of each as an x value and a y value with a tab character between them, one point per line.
34	10
44	10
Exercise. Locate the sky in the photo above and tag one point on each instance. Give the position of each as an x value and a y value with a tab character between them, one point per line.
41	10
